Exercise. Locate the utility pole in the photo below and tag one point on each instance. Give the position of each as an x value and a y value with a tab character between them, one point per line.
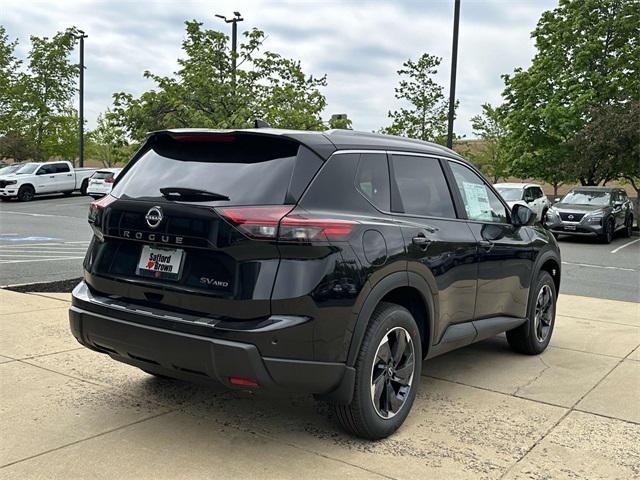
81	37
234	39
454	66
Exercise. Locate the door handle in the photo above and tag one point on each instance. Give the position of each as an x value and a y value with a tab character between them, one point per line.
421	241
486	245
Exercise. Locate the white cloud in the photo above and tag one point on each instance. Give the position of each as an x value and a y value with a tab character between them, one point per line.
358	44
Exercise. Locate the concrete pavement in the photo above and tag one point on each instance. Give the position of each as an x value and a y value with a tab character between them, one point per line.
481	412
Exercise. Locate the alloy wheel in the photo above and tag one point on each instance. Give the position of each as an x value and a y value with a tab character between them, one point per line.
392	372
544	313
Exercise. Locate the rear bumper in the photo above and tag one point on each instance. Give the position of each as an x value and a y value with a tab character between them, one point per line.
198	358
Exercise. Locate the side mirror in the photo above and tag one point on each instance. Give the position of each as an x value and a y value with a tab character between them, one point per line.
618	204
528	199
41	172
556	200
522	216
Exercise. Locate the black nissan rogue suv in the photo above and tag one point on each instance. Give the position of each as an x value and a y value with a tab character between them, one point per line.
330	263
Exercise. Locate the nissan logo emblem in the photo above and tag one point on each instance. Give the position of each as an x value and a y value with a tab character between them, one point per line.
570	217
154	217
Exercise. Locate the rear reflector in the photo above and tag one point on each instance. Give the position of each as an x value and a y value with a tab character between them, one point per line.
275	222
245	382
109	180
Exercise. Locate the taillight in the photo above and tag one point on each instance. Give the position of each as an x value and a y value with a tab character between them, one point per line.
303	229
95	208
256	222
109	180
276	223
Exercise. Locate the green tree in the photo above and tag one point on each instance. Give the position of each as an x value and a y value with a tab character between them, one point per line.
588	53
340	120
492	156
107	142
425	114
610	142
36	115
205	93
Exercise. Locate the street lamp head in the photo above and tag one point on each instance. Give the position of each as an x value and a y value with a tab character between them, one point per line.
237	14
222	17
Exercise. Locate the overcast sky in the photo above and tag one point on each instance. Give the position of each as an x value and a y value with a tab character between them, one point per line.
358	44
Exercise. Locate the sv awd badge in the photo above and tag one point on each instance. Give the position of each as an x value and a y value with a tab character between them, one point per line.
212	282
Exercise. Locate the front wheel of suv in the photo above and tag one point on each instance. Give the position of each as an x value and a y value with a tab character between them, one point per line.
607	235
533	336
387	374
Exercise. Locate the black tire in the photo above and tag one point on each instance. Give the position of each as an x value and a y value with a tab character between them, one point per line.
84	186
607	235
628	226
361	417
533	336
26	193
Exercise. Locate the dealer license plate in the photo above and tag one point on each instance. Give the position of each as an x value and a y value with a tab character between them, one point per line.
156	262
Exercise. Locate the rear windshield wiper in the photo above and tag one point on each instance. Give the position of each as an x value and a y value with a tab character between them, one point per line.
193	194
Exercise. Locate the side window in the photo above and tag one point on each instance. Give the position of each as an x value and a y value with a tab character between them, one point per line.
62	168
422	187
538	191
46	169
480	202
529	194
372	179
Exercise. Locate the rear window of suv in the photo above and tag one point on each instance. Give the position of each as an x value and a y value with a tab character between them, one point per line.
250	170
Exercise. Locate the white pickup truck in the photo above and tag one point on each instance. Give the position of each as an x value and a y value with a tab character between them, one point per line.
35	178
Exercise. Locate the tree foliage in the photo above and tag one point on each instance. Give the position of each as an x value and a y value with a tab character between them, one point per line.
588	53
107	143
425	116
37	118
492	156
205	93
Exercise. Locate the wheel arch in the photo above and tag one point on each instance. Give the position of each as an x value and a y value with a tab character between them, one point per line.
548	261
402	288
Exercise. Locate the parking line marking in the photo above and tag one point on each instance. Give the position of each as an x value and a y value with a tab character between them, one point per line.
601	266
2	262
616	250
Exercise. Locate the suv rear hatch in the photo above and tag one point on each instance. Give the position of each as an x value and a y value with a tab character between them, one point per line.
189	225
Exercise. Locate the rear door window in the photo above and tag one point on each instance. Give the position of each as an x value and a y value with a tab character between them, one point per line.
422	187
62	168
250	170
372	179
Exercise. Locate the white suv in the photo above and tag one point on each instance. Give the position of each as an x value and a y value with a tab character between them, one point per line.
528	194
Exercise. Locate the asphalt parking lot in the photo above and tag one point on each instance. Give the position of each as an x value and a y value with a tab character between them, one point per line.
45	240
481	412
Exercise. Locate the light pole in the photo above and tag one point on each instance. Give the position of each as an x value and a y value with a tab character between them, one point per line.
234	38
454	66
81	37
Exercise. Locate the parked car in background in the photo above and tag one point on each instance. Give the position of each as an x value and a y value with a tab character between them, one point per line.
592	211
101	182
331	263
10	169
528	194
35	178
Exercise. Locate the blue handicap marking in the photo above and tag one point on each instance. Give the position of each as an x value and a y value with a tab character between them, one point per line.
27	239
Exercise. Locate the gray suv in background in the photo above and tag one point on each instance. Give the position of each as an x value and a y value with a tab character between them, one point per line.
592	211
